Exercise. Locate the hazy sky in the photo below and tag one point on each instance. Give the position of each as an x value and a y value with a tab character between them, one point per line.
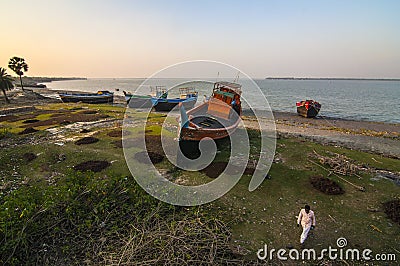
262	38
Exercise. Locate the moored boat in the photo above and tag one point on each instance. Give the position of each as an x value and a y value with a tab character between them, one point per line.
216	118
308	108
144	101
188	97
99	97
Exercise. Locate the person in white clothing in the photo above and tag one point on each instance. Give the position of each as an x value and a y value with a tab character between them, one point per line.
307	220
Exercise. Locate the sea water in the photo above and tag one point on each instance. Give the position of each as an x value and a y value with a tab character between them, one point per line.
371	100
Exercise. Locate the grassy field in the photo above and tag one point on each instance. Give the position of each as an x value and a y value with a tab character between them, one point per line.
52	214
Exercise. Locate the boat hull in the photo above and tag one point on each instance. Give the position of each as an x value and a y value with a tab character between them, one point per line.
93	99
211	131
308	113
165	105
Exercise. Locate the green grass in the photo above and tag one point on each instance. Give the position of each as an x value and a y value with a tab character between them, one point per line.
51	208
45	205
271	210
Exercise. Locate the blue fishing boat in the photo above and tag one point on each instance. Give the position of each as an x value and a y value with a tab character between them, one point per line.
188	97
144	101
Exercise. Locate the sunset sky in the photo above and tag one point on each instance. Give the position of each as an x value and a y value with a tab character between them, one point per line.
262	38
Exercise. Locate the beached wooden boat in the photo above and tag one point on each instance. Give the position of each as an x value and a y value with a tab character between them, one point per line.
144	101
216	118
99	97
188	97
308	108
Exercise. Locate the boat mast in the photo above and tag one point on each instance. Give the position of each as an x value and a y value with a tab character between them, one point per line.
237	77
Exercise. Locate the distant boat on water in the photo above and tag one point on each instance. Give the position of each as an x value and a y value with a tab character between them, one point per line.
99	97
216	118
188	97
145	101
308	108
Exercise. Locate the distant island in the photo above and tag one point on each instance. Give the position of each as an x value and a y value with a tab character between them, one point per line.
36	82
366	79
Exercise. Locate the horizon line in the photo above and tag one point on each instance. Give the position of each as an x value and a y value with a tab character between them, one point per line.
270	78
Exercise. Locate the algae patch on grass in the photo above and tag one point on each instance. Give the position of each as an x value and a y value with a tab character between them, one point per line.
86	140
392	210
94	166
326	185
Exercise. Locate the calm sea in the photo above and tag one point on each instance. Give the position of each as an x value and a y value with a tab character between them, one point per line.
350	99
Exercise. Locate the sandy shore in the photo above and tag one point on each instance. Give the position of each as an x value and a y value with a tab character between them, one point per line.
375	137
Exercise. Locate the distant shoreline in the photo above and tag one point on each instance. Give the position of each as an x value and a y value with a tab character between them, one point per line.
37	82
360	79
48	79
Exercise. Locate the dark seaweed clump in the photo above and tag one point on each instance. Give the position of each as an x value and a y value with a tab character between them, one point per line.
325	185
94	166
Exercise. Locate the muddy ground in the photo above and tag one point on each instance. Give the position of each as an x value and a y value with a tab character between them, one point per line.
392	210
28	130
86	140
29	156
143	157
326	185
95	166
374	137
214	169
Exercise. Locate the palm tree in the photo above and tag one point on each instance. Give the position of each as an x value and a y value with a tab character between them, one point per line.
18	65
5	83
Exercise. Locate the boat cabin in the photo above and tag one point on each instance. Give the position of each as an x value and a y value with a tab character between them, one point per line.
187	93
225	97
158	92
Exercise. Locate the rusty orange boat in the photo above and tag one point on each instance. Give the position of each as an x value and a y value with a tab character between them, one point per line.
216	118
